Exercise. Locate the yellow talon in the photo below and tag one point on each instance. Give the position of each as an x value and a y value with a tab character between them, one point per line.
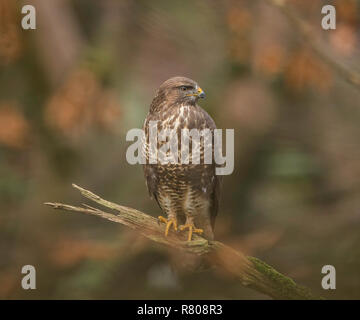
162	219
169	223
192	230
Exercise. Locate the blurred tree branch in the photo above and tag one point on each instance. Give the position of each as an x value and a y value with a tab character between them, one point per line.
306	31
250	271
59	44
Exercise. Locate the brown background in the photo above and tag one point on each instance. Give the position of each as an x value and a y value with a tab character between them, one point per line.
72	88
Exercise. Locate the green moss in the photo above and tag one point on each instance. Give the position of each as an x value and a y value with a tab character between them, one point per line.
285	287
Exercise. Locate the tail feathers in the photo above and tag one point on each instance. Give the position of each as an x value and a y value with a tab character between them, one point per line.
189	263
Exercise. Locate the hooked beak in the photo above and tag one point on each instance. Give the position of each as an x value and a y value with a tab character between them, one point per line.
200	93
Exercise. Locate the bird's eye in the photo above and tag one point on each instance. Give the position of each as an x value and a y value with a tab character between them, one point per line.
183	88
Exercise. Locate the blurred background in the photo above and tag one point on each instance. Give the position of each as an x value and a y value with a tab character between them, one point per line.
72	88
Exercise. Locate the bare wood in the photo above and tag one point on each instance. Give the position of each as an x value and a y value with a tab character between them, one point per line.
251	272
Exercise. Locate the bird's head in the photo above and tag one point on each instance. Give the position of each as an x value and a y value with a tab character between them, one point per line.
181	90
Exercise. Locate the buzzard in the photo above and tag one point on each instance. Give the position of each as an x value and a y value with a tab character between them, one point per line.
188	194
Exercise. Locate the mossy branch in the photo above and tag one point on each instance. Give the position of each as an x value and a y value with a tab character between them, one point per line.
251	272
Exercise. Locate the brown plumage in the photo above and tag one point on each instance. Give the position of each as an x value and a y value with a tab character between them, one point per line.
187	194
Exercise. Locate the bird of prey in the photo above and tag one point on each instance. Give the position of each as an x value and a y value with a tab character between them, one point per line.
188	194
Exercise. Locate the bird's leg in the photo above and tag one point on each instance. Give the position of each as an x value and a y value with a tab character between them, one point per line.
189	224
171	221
